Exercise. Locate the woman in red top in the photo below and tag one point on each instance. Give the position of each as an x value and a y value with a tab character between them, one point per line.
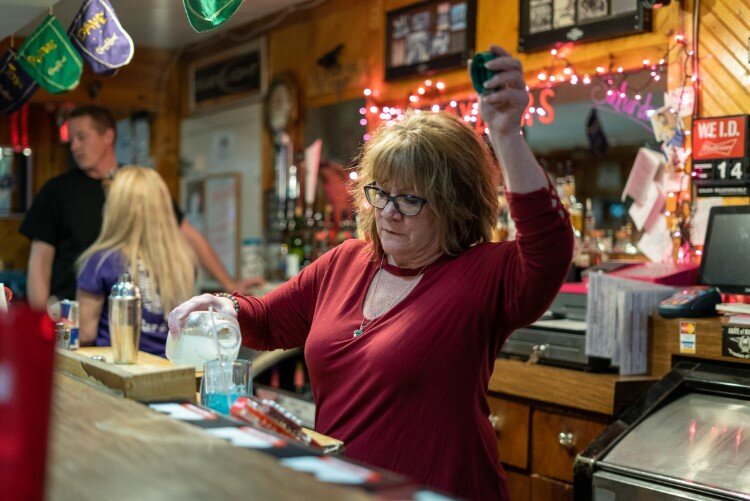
401	328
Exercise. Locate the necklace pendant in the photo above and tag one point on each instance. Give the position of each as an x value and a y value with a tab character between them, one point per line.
358	332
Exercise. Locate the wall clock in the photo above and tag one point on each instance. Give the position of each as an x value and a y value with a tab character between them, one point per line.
281	104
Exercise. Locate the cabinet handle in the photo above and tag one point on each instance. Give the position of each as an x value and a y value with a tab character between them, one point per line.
567	439
538	351
497	422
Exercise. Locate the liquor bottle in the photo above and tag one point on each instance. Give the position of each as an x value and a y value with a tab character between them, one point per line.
295	250
347	228
331	226
589	221
320	236
308	232
575	208
299	377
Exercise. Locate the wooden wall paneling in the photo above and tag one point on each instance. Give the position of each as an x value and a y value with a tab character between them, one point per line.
165	137
134	87
722	51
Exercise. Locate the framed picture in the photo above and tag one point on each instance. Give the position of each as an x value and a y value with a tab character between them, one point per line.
429	36
238	73
546	23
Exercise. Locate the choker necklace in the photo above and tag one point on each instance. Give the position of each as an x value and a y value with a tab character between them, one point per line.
365	322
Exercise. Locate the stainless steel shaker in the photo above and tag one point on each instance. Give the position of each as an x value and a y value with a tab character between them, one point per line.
125	320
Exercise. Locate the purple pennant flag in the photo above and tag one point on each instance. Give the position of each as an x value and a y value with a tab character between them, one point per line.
100	38
16	86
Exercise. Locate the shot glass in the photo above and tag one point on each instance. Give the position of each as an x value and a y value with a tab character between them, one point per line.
224	381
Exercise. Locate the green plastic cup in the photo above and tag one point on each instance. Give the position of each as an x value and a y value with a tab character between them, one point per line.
480	74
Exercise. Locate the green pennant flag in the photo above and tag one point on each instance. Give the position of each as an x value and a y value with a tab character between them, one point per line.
50	59
204	15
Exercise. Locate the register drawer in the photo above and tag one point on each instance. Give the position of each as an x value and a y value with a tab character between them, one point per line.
511	422
556	440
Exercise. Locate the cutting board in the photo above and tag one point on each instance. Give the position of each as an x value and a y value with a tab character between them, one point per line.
151	379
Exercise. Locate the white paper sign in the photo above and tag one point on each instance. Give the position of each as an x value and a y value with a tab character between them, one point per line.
656	242
644	214
647	165
222	219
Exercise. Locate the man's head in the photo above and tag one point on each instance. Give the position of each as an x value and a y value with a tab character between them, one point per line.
92	140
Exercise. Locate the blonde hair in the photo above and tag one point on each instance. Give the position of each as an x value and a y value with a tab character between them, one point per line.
447	163
140	224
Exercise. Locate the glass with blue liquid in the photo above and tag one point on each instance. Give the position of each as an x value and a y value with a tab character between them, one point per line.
224	381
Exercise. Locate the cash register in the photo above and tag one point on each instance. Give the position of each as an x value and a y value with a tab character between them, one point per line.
559	337
725	266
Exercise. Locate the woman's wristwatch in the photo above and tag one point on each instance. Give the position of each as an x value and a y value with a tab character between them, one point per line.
229	296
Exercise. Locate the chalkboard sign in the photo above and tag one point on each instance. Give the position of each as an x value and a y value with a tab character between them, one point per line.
235	74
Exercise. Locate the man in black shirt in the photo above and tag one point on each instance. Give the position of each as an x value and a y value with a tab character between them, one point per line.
66	215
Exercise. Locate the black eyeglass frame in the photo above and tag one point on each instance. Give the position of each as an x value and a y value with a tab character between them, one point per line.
371	188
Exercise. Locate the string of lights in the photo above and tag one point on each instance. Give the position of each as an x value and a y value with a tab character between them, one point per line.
430	95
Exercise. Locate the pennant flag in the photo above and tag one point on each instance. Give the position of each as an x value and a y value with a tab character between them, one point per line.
50	59
16	86
100	38
204	15
598	143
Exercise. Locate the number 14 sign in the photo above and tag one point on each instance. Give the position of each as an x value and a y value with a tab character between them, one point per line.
721	166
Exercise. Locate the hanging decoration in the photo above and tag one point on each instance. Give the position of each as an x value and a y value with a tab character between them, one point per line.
19	129
100	38
16	86
204	15
49	58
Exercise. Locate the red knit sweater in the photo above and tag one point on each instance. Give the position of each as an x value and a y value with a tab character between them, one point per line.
409	394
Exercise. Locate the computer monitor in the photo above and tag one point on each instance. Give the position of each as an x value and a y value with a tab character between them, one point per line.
726	251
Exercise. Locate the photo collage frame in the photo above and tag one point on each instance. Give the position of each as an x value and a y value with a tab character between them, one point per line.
546	23
429	36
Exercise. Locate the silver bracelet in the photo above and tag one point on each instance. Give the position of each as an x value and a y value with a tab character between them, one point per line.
229	296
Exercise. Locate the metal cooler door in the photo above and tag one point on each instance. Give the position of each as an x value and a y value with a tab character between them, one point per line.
699	443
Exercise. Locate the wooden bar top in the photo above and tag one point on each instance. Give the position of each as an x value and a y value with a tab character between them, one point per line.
602	393
104	447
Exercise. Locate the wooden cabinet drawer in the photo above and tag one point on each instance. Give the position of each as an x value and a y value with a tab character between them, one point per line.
556	439
511	422
519	486
546	489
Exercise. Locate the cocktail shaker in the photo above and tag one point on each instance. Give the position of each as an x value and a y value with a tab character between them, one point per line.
125	320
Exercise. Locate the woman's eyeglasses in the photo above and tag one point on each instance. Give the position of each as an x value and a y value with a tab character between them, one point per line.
408	205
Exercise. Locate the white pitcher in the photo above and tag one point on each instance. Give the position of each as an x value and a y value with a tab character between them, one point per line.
197	343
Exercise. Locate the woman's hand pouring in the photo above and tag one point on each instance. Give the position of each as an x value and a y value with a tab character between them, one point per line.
204	302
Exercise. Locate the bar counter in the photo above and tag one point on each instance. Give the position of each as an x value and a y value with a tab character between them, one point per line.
104	447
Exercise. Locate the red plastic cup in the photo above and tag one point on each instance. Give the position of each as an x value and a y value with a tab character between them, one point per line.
27	341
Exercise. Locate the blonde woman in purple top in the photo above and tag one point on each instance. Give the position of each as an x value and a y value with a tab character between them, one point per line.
139	235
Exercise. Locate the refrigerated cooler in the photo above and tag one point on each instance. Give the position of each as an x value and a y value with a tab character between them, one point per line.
687	438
